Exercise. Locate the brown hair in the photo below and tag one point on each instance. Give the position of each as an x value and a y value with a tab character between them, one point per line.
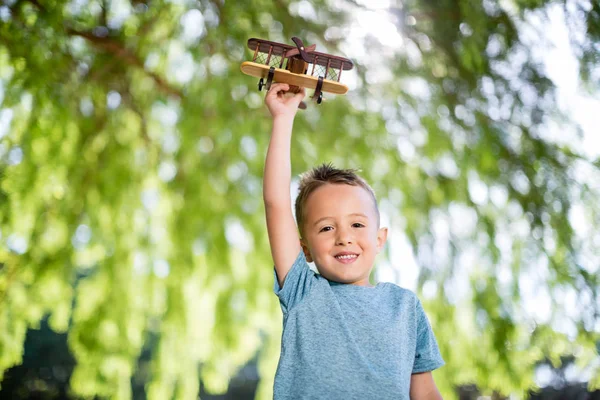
321	175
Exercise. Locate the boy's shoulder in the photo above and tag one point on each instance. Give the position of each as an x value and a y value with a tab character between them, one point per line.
398	293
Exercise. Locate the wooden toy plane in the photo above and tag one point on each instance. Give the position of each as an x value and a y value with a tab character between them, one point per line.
304	67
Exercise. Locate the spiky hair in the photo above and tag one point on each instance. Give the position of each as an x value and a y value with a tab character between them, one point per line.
321	175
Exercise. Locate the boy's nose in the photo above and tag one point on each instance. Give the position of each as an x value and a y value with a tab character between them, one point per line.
344	238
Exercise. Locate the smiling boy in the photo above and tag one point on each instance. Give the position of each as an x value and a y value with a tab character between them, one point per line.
339	225
342	337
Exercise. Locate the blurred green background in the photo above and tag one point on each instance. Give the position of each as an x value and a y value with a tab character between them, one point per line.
134	260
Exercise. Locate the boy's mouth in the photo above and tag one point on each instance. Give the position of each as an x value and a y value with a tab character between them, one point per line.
346	258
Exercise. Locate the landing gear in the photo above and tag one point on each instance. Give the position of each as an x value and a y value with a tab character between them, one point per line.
270	78
318	96
267	85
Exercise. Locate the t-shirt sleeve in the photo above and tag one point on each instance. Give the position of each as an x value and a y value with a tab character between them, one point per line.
427	355
298	282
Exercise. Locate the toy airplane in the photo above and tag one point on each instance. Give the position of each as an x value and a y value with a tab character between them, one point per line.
304	67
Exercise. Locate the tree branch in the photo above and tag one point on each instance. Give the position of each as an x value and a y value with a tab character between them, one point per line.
104	15
118	50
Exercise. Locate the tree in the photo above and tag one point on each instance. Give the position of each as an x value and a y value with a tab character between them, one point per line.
132	151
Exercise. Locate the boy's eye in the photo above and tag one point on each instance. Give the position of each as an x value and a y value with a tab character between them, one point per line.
325	229
357	225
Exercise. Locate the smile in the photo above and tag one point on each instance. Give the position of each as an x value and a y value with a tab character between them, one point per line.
346	258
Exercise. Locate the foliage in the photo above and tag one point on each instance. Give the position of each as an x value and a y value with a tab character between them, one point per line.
130	195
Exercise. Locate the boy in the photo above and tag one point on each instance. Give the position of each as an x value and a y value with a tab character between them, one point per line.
342	338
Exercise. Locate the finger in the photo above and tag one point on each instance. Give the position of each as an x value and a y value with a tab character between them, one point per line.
273	90
301	94
298	97
280	87
273	93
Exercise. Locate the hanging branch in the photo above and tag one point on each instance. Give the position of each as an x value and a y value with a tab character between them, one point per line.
118	50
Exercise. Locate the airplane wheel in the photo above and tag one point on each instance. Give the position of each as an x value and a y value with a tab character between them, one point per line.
261	83
320	98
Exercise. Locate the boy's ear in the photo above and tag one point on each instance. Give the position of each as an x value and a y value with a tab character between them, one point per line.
306	251
381	238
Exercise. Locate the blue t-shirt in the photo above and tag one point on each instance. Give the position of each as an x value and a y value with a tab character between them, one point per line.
350	342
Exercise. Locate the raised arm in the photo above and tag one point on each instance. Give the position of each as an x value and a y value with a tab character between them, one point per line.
283	234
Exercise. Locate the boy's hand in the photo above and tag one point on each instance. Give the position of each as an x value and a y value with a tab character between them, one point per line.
280	103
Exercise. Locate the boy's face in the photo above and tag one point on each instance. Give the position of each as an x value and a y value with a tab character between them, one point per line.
341	233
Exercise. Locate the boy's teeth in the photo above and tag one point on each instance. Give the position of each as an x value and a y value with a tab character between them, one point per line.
347	256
